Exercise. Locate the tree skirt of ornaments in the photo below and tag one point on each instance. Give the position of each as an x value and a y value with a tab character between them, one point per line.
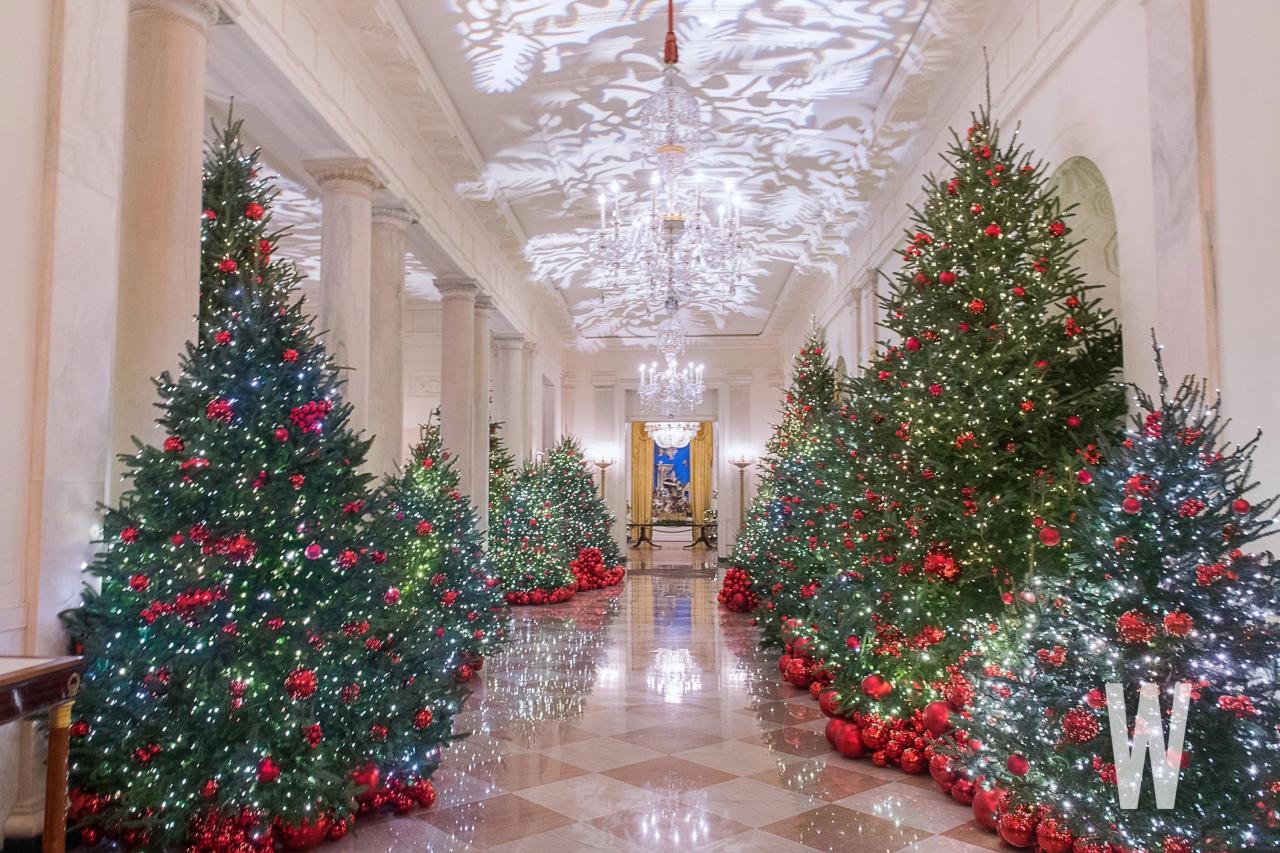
735	593
591	573
538	596
217	831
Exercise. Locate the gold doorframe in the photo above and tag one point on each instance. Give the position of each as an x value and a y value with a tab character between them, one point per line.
641	482
701	460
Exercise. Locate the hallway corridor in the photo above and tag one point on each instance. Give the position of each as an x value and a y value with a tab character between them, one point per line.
643	718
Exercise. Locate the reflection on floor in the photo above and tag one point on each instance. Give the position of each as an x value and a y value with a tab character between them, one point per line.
643	718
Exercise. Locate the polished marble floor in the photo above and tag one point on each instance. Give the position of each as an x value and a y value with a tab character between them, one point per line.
643	718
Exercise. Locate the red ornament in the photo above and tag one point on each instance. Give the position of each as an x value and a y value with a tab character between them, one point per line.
1131	505
422	718
1049	536
937	718
963	791
289	356
1017	828
913	761
992	230
876	686
254	211
268	771
829	703
1133	628
1053	837
281	434
849	742
1178	624
300	683
977	306
946	277
1017	765
227	265
987	805
913	344
1239	506
1079	725
304	835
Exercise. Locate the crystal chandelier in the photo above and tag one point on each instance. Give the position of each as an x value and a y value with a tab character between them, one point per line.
672	435
672	390
669	248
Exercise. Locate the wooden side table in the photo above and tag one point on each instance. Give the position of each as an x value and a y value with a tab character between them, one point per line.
33	686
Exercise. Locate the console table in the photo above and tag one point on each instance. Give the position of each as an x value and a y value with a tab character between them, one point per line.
30	687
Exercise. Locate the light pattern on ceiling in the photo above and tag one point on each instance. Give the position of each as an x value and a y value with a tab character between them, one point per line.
549	88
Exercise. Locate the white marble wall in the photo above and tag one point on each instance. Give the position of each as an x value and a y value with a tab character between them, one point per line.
59	233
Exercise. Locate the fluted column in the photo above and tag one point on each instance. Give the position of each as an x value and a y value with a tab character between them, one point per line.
531	428
159	205
480	414
346	246
386	391
510	394
457	373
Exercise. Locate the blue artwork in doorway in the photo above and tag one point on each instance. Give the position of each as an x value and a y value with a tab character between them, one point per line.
671	484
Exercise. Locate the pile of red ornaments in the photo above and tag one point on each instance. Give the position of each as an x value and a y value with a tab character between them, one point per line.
797	663
910	744
735	593
539	596
591	573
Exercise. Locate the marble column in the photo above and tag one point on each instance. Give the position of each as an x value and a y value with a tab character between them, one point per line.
510	394
531	427
159	264
346	246
67	454
480	415
1183	177
457	373
386	391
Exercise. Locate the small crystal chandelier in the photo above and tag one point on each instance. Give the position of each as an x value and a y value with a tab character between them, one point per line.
671	248
673	390
672	435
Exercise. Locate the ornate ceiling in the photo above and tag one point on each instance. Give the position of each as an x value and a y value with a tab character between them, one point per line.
547	90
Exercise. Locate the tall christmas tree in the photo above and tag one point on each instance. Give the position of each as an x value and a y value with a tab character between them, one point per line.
1001	376
232	688
1165	590
784	537
436	560
527	542
587	522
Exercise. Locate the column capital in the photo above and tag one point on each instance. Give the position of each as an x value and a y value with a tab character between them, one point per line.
484	303
354	175
510	341
455	286
198	13
740	378
530	348
394	214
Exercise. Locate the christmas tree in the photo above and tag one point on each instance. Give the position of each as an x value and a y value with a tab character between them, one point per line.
502	465
436	560
527	541
1001	376
1166	591
587	522
244	645
780	536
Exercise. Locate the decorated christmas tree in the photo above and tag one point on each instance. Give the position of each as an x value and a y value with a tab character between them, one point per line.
586	524
436	560
502	465
527	541
1000	378
1166	591
784	544
245	646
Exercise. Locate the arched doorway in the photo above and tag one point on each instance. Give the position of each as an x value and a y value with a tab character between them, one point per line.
1084	191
